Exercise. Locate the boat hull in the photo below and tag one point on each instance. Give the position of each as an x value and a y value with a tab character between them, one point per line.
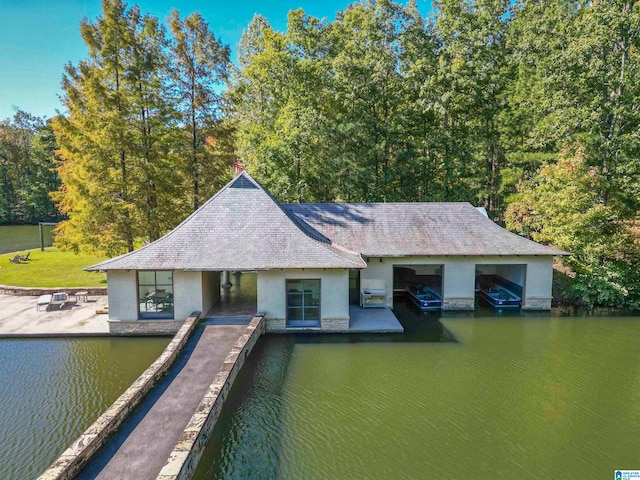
500	297
428	301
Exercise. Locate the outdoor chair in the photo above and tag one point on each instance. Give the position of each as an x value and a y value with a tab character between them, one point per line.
44	300
59	299
24	258
16	259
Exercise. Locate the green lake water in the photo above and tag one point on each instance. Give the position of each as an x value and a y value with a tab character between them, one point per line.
461	398
14	238
51	390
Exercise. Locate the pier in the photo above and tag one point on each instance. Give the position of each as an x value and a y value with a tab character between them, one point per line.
160	432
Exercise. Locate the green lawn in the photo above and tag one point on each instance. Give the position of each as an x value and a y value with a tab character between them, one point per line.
51	268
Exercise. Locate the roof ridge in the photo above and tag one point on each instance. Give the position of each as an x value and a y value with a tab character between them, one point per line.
293	204
309	231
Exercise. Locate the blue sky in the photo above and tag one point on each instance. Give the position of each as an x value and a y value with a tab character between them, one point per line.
38	37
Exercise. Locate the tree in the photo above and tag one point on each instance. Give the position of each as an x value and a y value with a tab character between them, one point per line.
471	82
27	172
118	183
321	110
200	65
560	205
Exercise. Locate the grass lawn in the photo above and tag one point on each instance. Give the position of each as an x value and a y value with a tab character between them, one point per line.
51	268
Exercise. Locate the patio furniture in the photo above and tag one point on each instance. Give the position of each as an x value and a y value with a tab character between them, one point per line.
43	300
24	258
82	295
158	298
16	259
59	299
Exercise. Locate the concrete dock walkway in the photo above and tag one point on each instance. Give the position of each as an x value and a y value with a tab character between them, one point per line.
141	446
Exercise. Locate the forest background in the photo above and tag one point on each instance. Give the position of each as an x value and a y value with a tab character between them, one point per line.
530	108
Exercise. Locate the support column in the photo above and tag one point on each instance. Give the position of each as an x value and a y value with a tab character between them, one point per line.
458	284
226	279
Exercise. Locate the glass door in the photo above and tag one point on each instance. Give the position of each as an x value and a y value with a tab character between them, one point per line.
303	303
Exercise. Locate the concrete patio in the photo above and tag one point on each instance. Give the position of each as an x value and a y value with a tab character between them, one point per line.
19	317
373	320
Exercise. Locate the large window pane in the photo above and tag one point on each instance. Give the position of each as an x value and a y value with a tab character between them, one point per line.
312	285
146	278
312	313
303	301
164	278
155	294
294	299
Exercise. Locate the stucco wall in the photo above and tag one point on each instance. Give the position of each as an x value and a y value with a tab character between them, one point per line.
539	277
122	295
458	280
334	296
187	293
426	269
513	273
458	284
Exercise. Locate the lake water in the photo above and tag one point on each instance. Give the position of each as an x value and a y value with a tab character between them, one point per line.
526	397
14	238
51	390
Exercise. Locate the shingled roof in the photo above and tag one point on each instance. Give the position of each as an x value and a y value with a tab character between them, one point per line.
402	229
240	228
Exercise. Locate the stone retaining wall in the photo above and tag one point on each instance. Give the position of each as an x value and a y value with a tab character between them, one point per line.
537	303
36	292
140	328
184	458
462	303
327	325
81	451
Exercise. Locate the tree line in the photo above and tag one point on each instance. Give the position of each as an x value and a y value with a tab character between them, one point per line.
27	170
529	108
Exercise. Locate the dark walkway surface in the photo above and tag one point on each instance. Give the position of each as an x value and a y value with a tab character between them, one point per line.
142	445
239	300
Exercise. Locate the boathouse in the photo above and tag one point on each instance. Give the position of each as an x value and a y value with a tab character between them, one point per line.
312	262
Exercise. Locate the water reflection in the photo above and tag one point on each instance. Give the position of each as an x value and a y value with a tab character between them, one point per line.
517	396
247	438
51	390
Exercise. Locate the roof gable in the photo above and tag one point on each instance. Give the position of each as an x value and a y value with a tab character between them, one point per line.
240	228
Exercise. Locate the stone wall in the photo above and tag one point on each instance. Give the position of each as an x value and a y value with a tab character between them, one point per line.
275	325
81	451
335	325
327	325
139	328
36	292
184	458
459	303
537	303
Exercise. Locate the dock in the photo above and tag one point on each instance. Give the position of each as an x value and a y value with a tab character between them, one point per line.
373	320
162	432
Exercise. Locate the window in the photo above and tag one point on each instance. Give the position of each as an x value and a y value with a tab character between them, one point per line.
155	294
303	302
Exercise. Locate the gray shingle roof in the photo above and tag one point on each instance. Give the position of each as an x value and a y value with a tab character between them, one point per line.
401	229
240	228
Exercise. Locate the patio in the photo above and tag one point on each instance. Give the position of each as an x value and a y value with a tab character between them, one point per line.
19	316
